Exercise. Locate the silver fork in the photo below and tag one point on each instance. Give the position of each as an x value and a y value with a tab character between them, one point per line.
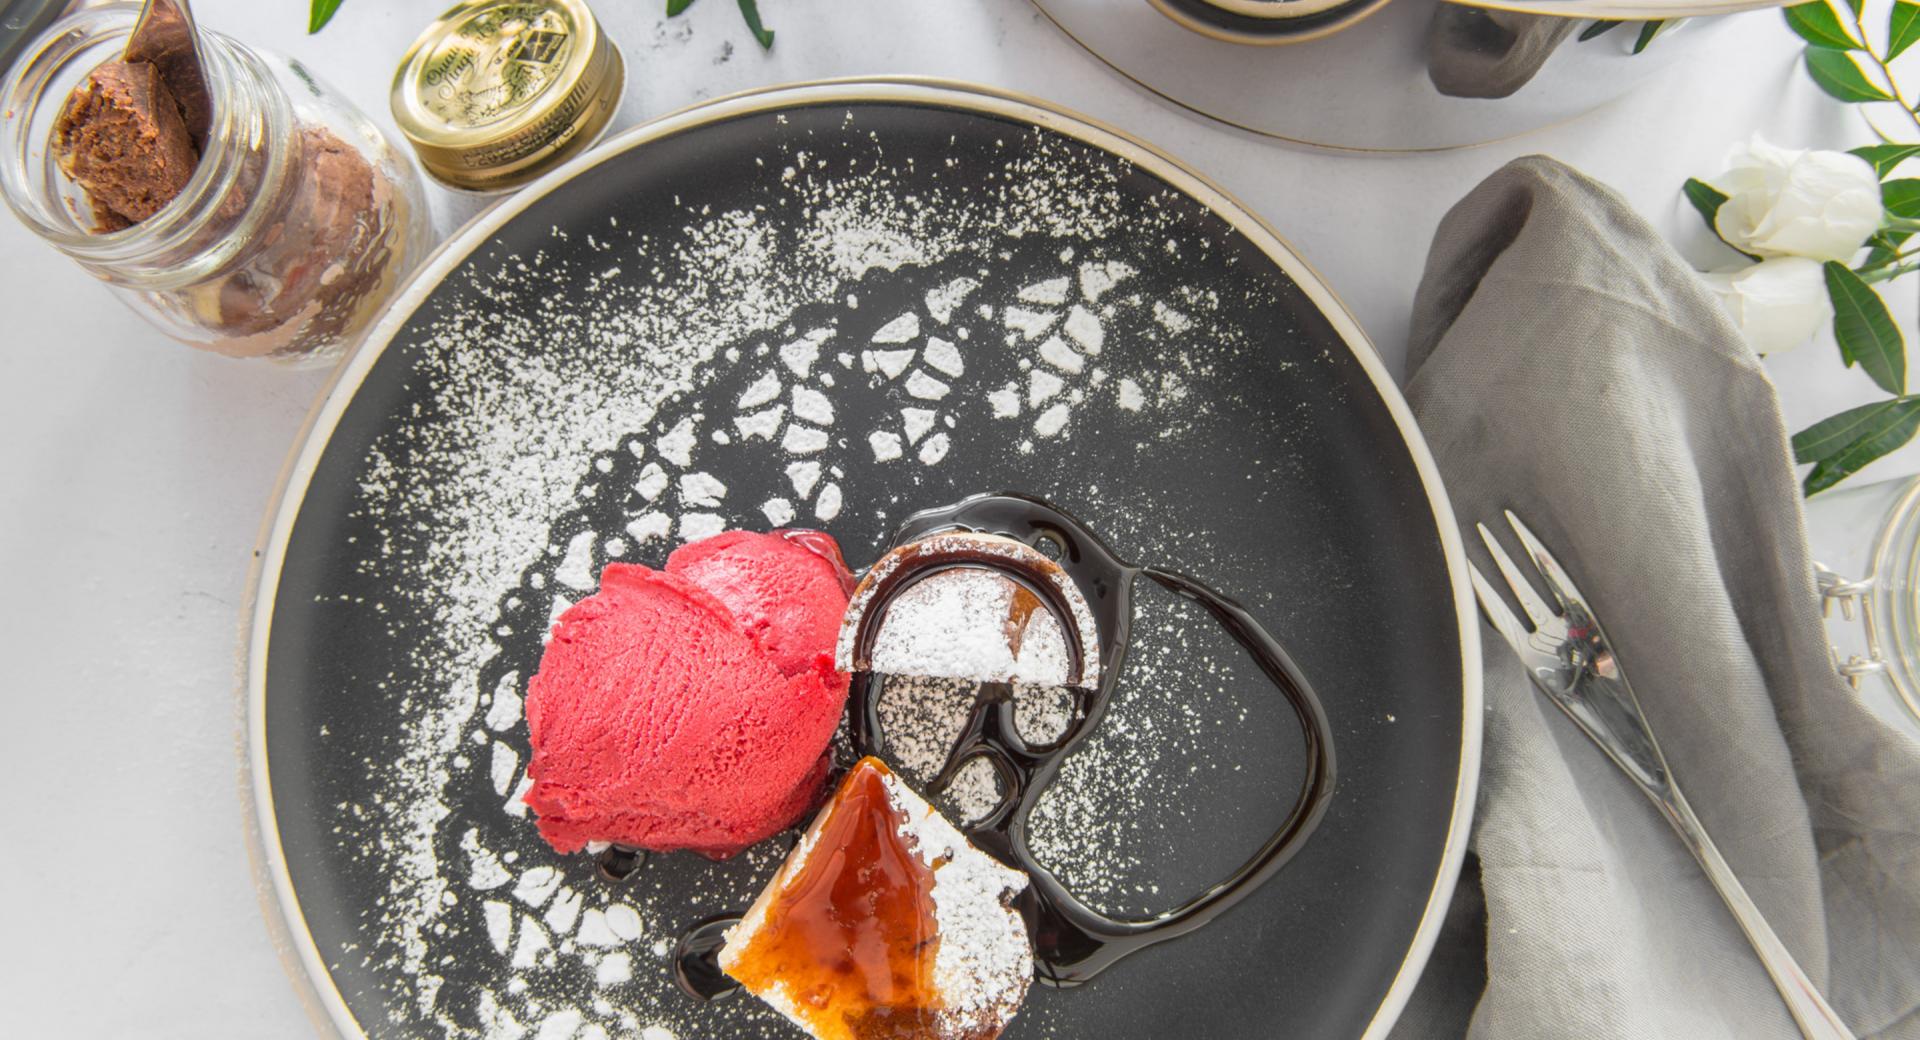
1570	659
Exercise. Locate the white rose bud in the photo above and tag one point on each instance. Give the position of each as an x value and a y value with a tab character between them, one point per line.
1777	304
1783	202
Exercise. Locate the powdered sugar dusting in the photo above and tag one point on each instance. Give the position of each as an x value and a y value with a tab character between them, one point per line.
945	357
954	625
885	445
612	417
921	716
778	511
826	507
917	422
983	963
926	387
962	622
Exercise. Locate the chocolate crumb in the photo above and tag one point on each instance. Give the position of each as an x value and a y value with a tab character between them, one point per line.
105	220
122	138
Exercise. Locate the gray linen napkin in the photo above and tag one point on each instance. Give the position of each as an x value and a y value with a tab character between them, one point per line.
1478	53
1568	365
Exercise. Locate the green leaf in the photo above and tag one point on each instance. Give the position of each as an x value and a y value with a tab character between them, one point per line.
1831	436
1706	198
750	10
1842	445
321	14
1837	74
1599	28
1885	157
1903	28
1648	30
1865	330
1817	24
1902	197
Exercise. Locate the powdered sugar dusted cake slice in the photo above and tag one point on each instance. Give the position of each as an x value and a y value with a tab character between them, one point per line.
885	922
967	605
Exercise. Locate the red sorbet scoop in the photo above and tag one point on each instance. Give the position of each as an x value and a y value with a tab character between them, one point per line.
690	708
789	595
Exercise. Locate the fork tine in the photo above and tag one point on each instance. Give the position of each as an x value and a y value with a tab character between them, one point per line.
1537	609
1496	609
1558	582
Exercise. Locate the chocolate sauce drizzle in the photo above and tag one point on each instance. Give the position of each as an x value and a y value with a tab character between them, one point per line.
696	958
618	863
1072	941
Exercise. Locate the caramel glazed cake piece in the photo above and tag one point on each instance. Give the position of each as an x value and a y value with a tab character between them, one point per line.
886	924
963	605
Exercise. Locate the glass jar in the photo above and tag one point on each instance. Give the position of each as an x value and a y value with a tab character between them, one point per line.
1885	604
297	223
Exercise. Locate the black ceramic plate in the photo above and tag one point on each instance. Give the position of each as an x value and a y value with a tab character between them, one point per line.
834	305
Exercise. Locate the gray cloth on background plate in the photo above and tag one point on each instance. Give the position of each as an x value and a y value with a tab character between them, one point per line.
1567	365
1477	53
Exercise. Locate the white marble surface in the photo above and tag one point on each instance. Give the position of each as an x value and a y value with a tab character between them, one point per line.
135	472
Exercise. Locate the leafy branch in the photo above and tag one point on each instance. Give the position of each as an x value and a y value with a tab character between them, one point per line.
1844	61
1648	30
1838	447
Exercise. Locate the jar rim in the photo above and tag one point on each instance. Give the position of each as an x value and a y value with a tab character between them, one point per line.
26	91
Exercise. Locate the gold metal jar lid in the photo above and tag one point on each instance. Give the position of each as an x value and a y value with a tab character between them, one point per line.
497	92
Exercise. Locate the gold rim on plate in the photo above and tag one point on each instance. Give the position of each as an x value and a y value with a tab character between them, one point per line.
1623	10
1278	39
1275	10
301	956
